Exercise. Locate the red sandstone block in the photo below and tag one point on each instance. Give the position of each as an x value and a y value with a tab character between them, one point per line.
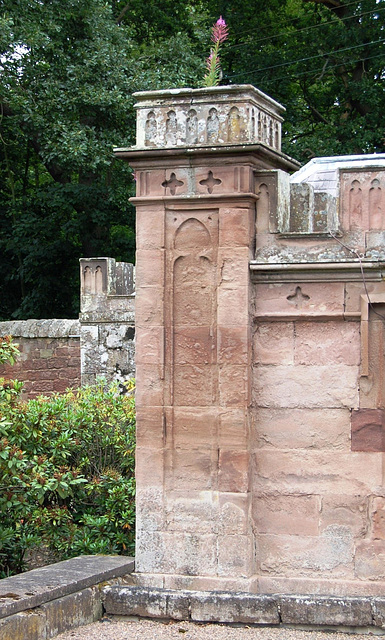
236	227
233	306
233	265
190	469
322	343
42	386
194	305
194	385
149	385
377	518
149	345
368	430
149	464
234	381
194	345
150	227
233	428
274	343
350	512
370	560
286	514
37	363
149	268
149	306
303	386
150	426
234	345
233	474
316	472
196	426
72	375
302	429
314	299
62	385
234	513
194	512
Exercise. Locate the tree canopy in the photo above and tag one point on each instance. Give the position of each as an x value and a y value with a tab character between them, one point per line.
68	70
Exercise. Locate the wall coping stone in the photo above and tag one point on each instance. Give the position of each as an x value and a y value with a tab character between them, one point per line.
53	328
245	608
34	588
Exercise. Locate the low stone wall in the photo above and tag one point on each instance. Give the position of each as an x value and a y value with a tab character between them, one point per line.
42	603
50	355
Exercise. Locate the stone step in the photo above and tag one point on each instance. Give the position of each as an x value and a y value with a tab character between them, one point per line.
245	608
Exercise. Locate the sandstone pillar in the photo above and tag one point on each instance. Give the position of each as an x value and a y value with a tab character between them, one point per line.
195	161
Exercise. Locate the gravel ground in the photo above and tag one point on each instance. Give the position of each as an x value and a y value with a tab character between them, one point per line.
141	629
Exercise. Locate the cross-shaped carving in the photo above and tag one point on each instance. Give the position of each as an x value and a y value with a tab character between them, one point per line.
298	298
172	184
210	182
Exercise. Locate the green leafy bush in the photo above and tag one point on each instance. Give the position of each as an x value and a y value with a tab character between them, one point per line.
66	471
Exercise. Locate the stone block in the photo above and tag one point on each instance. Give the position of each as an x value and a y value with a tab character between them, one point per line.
149	385
233	345
324	343
190	469
326	611
146	602
196	426
194	345
291	428
193	303
368	430
233	474
378	611
233	428
149	427
72	611
236	555
234	385
149	345
284	555
150	551
301	208
348	511
274	343
234	513
149	268
233	307
145	459
317	472
304	386
150	227
377	518
149	507
233	265
323	299
287	514
26	624
192	513
236	227
227	607
148	307
194	384
370	560
191	554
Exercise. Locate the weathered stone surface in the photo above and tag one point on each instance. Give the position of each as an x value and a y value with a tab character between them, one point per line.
326	611
313	299
330	386
274	343
286	514
368	430
72	611
370	560
149	603
348	511
378	611
233	607
321	343
26	624
34	588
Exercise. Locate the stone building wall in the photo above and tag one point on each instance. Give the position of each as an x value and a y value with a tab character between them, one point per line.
260	330
50	355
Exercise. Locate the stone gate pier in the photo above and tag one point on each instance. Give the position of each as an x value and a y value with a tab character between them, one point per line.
260	308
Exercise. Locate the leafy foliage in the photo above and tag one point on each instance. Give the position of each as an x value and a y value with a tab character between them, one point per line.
66	473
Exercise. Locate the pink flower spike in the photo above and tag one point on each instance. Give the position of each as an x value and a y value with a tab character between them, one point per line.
220	31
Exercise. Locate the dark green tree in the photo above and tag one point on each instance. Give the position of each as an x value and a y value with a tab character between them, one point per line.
67	73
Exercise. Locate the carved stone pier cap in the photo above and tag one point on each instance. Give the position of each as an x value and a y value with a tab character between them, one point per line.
217	116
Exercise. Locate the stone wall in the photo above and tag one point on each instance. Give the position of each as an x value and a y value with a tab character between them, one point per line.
259	319
50	355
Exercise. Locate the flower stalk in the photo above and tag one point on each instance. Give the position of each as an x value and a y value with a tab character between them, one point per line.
219	34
